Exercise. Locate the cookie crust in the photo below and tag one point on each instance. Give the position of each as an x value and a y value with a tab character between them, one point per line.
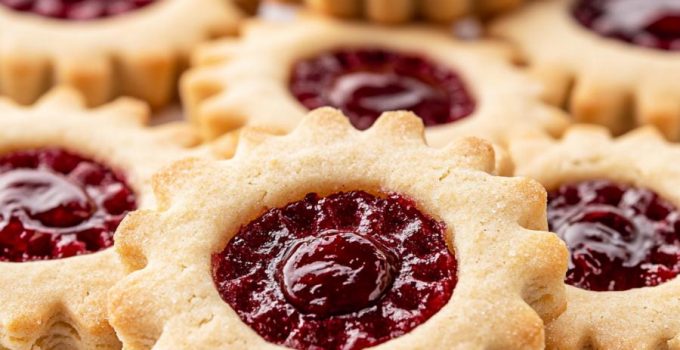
138	54
169	300
600	80
642	318
393	12
225	90
62	303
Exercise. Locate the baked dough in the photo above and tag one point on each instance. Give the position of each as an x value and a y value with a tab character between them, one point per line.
244	82
138	54
600	80
642	318
399	11
510	270
61	304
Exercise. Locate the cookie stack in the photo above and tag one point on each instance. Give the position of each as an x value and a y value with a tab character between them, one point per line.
352	177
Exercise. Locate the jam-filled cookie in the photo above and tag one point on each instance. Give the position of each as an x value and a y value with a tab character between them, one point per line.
391	11
105	48
68	176
278	71
333	238
615	204
611	62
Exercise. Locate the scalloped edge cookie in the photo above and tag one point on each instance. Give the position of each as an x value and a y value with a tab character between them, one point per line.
642	318
225	90
169	300
600	80
62	303
138	54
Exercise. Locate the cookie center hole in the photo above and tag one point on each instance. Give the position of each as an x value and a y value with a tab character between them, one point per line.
647	23
336	263
620	237
364	83
56	204
347	271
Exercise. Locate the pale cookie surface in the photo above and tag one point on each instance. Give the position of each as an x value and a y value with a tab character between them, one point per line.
494	226
621	198
138	54
225	90
60	302
600	79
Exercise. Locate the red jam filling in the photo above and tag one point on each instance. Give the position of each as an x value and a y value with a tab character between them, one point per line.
77	10
55	204
620	237
648	23
347	271
364	83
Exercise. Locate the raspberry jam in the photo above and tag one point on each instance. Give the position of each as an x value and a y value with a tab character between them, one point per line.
76	10
648	23
347	271
55	204
364	83
620	237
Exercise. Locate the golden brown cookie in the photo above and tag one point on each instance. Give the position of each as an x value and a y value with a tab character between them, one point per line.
399	11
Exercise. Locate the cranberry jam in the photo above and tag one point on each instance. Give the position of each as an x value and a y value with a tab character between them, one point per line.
620	237
648	23
76	10
347	271
55	204
364	83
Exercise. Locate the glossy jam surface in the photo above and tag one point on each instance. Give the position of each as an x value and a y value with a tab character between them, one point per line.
364	83
648	23
347	271
55	204
76	10
620	237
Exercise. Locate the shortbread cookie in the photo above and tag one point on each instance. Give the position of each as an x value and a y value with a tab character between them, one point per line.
610	62
615	203
339	239
105	48
68	176
278	71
